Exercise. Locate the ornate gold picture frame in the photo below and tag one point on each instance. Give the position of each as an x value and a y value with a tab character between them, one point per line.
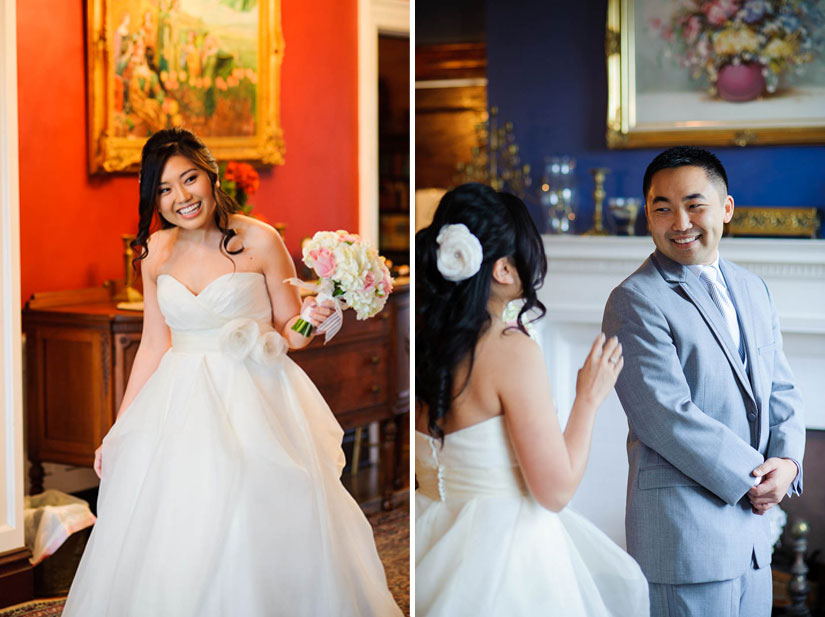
662	92
774	222
212	66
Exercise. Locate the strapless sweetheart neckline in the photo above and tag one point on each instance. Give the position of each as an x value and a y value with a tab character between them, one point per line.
209	284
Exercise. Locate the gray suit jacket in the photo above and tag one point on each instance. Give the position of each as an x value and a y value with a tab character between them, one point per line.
699	422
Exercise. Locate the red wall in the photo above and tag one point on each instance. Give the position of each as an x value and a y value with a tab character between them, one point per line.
70	222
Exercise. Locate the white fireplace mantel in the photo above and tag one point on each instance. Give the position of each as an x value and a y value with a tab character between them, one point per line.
582	271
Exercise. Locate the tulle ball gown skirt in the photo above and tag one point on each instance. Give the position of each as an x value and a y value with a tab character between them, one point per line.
220	492
485	548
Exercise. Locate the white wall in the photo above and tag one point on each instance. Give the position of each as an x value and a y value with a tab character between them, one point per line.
374	17
581	273
11	405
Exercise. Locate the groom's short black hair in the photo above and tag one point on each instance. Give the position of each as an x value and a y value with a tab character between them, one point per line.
682	156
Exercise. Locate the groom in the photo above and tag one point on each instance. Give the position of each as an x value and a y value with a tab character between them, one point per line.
716	432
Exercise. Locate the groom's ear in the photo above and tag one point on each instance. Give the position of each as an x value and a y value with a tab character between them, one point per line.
504	271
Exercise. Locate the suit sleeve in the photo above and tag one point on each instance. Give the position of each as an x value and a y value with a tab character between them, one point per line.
656	397
787	427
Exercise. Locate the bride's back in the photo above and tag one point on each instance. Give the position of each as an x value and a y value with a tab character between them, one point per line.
497	357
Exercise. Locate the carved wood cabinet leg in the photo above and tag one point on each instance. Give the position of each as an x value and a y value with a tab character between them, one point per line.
398	471
36	475
388	448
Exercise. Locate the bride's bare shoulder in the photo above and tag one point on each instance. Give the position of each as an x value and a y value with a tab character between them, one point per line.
158	248
513	352
256	234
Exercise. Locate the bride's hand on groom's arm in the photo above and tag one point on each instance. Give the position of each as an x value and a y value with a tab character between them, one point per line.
776	476
600	371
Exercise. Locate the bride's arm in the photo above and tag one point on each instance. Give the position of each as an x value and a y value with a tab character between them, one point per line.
285	299
154	342
552	461
154	339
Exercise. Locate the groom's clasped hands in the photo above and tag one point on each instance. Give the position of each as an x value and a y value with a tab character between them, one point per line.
774	477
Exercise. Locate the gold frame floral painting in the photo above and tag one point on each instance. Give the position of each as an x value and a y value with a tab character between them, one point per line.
715	72
212	66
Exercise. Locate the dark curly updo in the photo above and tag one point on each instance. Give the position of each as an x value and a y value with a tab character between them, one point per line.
156	151
450	317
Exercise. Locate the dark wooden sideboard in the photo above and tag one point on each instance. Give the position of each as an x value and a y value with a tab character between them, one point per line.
80	349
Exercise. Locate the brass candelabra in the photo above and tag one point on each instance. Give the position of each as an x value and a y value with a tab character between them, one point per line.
599	175
495	161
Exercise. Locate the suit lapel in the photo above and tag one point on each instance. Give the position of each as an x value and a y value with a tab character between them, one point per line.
679	275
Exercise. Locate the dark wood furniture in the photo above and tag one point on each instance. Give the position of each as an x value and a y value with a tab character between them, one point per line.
80	349
448	113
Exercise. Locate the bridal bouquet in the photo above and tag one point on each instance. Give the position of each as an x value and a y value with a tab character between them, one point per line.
351	273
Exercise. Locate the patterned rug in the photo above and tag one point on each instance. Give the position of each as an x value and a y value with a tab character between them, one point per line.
392	538
38	608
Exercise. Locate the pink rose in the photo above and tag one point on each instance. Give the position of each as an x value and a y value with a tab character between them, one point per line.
369	281
719	11
347	236
323	262
692	29
386	284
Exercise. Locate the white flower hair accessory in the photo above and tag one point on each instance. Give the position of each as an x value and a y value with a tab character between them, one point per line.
459	252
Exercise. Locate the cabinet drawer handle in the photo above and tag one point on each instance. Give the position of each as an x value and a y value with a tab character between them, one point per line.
375	389
375	359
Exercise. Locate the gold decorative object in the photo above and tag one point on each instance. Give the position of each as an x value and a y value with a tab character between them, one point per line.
599	174
128	297
623	212
496	159
137	54
778	222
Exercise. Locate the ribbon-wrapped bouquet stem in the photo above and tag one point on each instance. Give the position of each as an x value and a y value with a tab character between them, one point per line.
352	275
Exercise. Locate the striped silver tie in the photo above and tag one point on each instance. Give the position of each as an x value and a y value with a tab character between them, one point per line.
722	300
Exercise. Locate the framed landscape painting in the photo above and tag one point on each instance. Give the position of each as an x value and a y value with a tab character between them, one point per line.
212	66
715	72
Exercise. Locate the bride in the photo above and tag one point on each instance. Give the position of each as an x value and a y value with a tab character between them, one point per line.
220	491
494	469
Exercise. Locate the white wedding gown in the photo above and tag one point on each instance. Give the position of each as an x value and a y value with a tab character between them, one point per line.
220	493
485	548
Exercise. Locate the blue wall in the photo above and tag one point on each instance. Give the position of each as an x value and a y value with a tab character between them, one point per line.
546	71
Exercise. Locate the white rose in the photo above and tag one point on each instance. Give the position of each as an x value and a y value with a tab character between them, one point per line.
270	349
459	252
238	337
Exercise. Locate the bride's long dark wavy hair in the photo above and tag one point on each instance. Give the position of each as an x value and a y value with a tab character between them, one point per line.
450	317
156	151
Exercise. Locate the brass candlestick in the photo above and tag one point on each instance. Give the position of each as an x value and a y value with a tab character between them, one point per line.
128	293
599	174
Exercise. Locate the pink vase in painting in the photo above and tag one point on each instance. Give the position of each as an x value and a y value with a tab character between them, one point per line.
740	82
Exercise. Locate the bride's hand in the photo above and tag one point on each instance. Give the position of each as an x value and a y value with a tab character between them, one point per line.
99	460
318	312
600	371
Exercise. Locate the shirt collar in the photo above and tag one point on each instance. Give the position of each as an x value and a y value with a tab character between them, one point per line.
697	270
